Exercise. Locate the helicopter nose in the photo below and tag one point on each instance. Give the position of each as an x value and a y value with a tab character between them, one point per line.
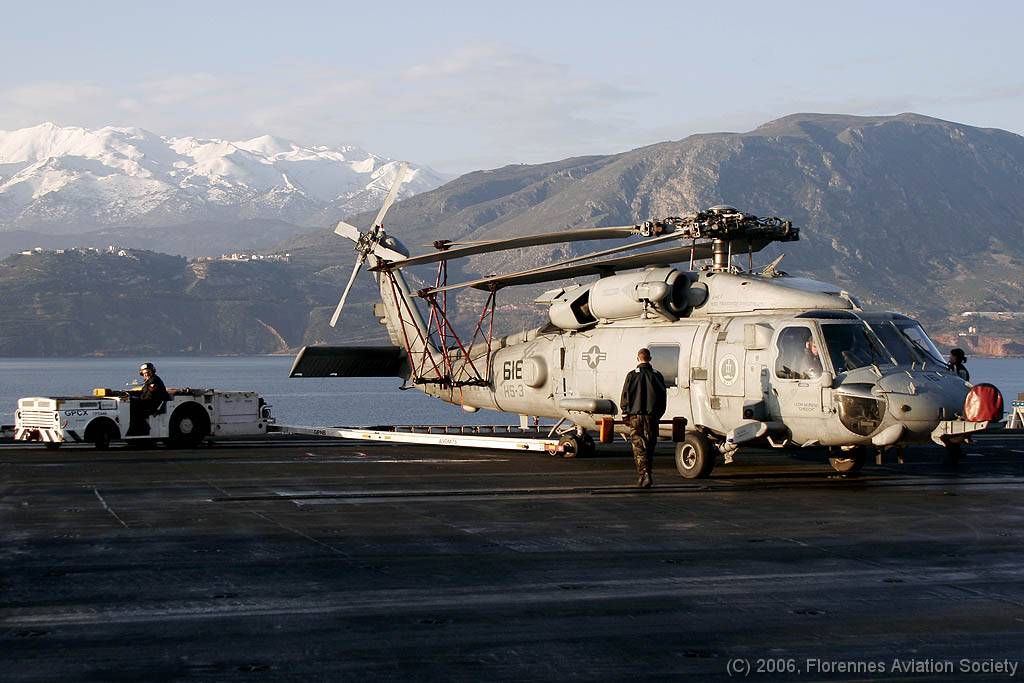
918	412
919	403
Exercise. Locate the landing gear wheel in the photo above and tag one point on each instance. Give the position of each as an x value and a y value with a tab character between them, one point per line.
187	429
577	446
695	456
847	462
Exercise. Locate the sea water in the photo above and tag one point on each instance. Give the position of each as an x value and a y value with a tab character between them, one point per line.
312	401
300	401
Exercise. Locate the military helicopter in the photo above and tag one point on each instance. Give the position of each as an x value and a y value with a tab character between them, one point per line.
750	358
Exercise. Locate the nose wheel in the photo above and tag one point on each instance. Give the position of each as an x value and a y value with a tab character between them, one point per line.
847	462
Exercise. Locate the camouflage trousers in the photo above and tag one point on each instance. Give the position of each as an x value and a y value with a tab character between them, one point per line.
643	436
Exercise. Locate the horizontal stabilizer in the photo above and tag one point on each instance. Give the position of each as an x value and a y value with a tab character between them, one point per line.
349	361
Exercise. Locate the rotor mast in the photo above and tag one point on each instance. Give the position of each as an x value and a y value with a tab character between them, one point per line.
730	232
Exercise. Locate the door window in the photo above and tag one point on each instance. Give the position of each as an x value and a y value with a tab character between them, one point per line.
797	354
665	359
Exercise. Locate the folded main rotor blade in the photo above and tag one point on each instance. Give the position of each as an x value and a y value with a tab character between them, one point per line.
606	267
592	255
562	271
461	243
579	235
348	288
392	193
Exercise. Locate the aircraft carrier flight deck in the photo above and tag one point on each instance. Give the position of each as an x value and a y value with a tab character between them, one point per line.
326	560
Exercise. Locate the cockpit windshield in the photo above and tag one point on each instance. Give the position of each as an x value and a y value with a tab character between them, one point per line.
895	343
907	342
917	337
853	345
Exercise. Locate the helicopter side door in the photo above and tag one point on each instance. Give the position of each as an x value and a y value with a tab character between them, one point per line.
796	380
718	381
729	375
670	355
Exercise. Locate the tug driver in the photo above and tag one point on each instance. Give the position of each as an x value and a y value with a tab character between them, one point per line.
152	394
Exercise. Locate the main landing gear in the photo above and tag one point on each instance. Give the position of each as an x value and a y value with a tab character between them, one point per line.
577	446
695	456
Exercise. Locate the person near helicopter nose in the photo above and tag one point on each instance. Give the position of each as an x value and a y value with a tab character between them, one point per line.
957	361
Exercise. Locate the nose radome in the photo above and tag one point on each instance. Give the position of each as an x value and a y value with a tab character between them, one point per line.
922	398
923	405
921	413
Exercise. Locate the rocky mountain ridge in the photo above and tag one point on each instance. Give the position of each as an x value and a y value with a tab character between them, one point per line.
85	302
909	213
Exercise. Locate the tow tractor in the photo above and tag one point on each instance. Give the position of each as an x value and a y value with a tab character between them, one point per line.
186	420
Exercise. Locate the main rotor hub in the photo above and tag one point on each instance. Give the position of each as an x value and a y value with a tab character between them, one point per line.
731	231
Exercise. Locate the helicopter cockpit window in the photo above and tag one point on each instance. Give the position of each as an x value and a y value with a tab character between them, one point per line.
797	355
665	359
852	346
917	337
895	343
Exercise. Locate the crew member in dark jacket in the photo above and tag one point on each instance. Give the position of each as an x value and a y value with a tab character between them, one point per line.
152	394
957	361
643	404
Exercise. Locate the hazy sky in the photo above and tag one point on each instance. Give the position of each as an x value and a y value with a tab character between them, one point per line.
466	85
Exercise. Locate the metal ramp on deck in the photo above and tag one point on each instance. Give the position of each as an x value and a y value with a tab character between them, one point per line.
499	437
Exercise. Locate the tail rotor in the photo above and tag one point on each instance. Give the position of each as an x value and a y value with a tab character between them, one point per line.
370	241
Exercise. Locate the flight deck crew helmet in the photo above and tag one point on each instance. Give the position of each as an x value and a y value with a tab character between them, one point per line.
147	366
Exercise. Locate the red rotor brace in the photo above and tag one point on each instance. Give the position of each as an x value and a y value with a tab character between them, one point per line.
458	368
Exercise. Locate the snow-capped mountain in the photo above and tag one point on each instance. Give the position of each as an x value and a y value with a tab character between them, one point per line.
68	179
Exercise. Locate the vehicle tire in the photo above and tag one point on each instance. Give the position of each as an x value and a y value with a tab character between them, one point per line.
577	446
695	456
189	426
847	462
100	433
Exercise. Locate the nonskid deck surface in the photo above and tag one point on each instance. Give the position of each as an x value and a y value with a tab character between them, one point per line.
319	560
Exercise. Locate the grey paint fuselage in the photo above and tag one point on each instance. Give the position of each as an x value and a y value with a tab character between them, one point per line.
721	379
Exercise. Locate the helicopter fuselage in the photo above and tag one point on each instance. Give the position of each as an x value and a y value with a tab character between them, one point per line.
738	360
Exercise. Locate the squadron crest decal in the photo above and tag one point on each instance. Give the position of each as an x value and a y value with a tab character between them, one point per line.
728	369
